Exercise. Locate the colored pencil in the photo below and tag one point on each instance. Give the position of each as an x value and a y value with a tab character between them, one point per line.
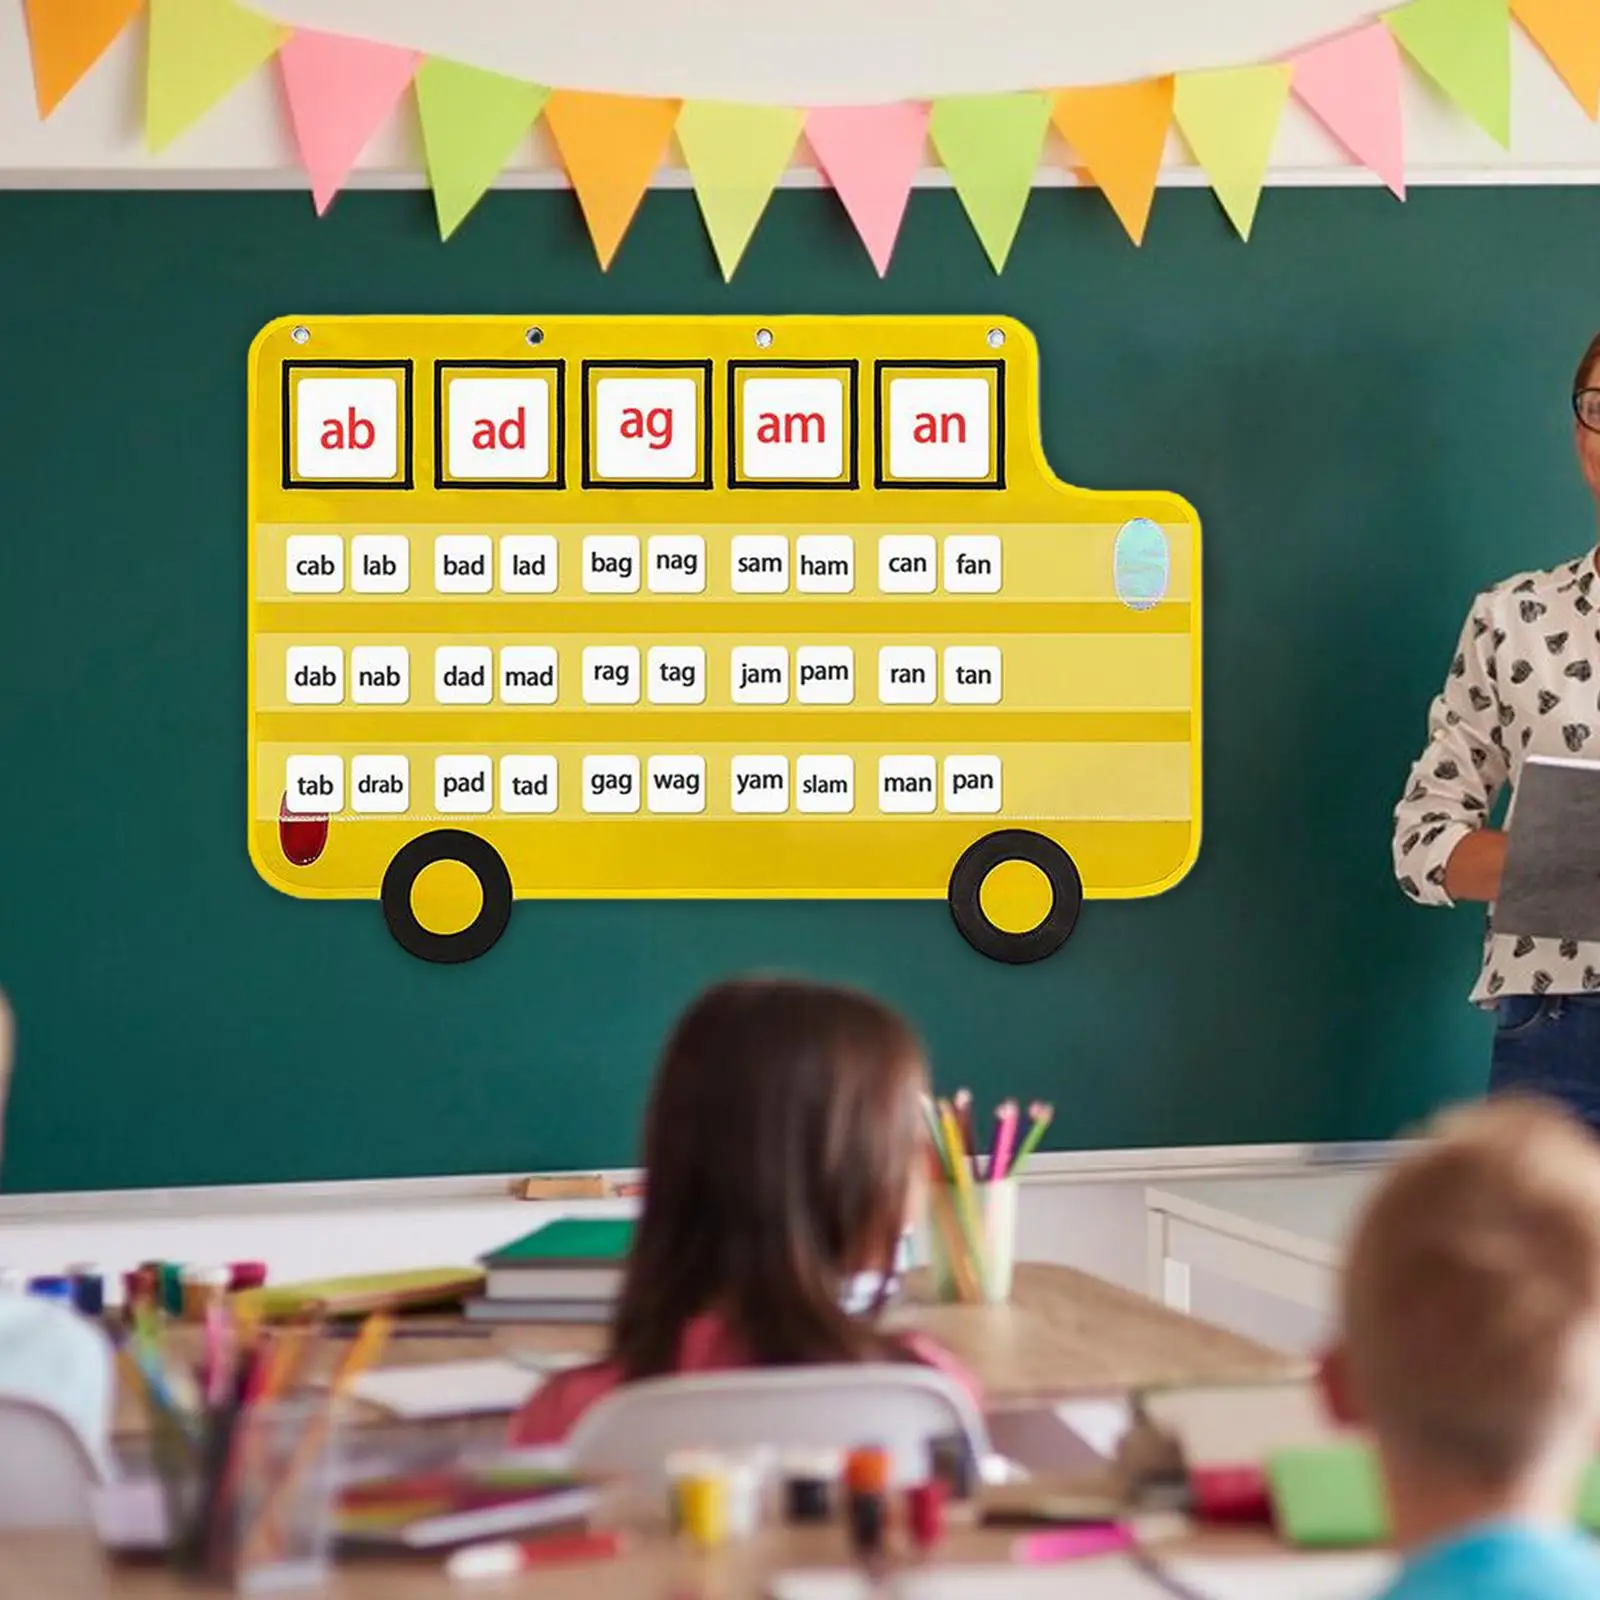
362	1353
1041	1112
1005	1138
966	1203
936	1138
956	1246
961	1104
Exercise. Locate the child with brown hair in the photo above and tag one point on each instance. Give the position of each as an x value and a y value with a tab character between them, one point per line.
784	1156
1471	1348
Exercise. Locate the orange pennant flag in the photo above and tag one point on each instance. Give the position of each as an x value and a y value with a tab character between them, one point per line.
67	37
1118	133
1568	32
611	145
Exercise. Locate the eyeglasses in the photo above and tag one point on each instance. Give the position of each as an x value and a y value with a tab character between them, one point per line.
1586	408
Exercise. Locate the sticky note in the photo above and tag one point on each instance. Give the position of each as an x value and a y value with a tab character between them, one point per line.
1328	1497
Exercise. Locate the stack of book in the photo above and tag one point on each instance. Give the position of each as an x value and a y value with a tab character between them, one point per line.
441	1510
569	1270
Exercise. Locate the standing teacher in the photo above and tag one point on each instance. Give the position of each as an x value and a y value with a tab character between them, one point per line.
1525	681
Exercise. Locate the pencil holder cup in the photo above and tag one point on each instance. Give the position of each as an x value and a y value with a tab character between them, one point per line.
972	1241
282	1519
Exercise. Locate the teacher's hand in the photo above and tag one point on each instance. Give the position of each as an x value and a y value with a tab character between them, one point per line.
1474	868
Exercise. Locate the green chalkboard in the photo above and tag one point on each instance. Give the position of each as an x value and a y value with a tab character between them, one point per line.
1367	404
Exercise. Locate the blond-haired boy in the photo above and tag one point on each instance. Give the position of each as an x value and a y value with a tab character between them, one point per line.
1470	1347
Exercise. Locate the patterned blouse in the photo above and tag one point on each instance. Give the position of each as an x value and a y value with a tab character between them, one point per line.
1525	681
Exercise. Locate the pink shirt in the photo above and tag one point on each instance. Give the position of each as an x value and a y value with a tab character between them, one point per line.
707	1346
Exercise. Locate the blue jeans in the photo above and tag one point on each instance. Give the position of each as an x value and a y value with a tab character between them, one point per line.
1550	1045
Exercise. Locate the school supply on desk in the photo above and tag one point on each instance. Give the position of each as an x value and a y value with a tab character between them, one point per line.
570	1259
1328	1498
571	1312
507	1559
425	1289
490	1387
1102	1424
972	1200
1229	1424
1041	1502
442	1510
1550	887
242	1452
1332	1497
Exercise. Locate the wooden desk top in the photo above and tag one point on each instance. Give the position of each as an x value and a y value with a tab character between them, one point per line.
39	1566
1063	1332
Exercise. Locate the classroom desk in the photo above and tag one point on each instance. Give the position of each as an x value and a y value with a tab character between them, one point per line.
1064	1332
39	1566
1282	1236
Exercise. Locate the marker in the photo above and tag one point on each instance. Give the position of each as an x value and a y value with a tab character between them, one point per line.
1073	1544
507	1559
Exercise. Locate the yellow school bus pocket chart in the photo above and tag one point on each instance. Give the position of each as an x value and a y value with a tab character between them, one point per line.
712	607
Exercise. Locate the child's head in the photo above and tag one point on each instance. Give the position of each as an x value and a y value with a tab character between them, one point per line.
1471	1306
783	1146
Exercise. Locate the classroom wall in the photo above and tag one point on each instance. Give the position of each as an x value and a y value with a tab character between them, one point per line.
1095	1226
1367	404
824	52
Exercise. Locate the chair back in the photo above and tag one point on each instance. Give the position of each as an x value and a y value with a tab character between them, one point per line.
55	1413
46	1475
895	1405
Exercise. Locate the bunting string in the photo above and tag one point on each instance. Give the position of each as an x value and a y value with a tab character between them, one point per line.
339	91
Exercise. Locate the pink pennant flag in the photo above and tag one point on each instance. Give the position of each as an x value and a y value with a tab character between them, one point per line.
870	154
339	90
1351	84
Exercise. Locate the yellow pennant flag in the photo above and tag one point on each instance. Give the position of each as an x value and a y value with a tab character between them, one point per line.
735	155
1568	32
1119	133
1230	119
200	50
611	146
1465	47
67	37
472	120
989	144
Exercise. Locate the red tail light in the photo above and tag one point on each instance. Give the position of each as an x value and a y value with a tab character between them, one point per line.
302	837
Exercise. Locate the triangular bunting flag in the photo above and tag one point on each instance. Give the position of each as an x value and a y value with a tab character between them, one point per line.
735	155
1118	134
870	154
1230	119
471	122
1568	32
989	144
339	90
199	51
1465	47
1351	85
67	37
611	146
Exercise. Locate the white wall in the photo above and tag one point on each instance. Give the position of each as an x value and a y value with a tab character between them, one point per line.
826	51
310	1231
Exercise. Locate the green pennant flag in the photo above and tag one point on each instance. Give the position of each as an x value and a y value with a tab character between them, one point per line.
735	155
1230	119
1465	47
990	144
199	50
471	122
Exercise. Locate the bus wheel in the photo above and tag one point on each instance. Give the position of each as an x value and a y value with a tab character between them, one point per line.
1016	896
398	897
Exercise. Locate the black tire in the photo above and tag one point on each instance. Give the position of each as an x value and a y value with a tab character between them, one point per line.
482	860
966	903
